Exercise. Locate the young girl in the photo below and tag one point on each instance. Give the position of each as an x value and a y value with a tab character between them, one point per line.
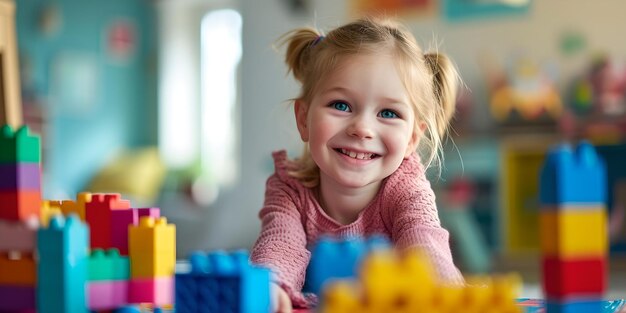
370	100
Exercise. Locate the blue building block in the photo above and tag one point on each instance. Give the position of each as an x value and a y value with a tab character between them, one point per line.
63	266
576	306
220	282
573	177
338	258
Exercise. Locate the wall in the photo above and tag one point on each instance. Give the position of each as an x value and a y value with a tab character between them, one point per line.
93	103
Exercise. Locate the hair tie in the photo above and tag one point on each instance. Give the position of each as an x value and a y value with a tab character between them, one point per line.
317	40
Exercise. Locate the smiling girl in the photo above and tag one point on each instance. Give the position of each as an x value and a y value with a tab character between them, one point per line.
372	112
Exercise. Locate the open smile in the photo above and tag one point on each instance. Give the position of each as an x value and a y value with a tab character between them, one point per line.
357	155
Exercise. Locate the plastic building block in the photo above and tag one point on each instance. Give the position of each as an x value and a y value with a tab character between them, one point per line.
48	210
159	290
98	216
19	146
392	283
19	236
221	282
78	207
108	266
19	205
121	219
127	309
18	272
105	295
63	261
152	248
579	306
561	233
338	258
568	278
20	176
572	177
17	298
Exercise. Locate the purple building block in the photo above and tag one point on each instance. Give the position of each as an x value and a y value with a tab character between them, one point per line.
17	298
120	219
20	176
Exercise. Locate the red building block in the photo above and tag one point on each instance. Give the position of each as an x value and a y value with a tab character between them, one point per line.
98	217
575	278
17	205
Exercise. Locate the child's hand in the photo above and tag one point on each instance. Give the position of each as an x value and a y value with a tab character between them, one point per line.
280	300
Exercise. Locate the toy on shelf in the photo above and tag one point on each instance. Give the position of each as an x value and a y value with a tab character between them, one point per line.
221	282
524	93
573	197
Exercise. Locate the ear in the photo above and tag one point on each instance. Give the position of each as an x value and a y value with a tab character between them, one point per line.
415	139
301	111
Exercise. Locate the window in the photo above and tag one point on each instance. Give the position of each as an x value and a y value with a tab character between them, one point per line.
198	96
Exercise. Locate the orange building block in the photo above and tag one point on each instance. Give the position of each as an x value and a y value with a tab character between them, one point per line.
19	205
68	206
18	272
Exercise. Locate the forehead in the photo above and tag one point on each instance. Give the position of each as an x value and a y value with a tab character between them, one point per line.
366	71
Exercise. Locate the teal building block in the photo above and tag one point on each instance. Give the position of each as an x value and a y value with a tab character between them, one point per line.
333	258
63	266
19	146
108	265
573	176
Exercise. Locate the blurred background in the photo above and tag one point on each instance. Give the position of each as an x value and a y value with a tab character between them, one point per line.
178	104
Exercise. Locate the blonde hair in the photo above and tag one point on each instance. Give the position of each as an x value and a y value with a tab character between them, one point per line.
431	80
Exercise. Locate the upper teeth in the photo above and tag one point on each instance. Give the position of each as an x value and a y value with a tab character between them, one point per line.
360	156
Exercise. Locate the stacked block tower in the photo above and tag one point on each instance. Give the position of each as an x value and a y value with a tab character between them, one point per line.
20	198
573	229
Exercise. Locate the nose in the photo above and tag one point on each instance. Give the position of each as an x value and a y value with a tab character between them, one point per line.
361	128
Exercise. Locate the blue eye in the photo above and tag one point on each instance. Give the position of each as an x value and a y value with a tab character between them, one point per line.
341	106
388	114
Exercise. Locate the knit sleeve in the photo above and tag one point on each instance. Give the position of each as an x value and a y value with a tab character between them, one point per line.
281	245
415	222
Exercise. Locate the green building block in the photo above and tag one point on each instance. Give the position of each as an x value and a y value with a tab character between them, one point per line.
108	265
19	146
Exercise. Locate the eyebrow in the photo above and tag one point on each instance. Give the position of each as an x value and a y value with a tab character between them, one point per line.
350	93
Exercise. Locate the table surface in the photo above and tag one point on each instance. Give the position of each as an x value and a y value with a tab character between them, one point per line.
536	306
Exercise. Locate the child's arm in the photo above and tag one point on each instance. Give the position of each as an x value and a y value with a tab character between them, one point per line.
415	223
281	245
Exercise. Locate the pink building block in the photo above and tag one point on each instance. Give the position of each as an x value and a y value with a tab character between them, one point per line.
120	219
104	295
158	291
19	236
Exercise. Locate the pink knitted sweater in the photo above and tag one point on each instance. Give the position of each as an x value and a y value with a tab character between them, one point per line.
404	209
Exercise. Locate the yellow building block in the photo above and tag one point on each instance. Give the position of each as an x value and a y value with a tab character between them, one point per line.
48	210
78	206
152	248
19	272
574	232
392	284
